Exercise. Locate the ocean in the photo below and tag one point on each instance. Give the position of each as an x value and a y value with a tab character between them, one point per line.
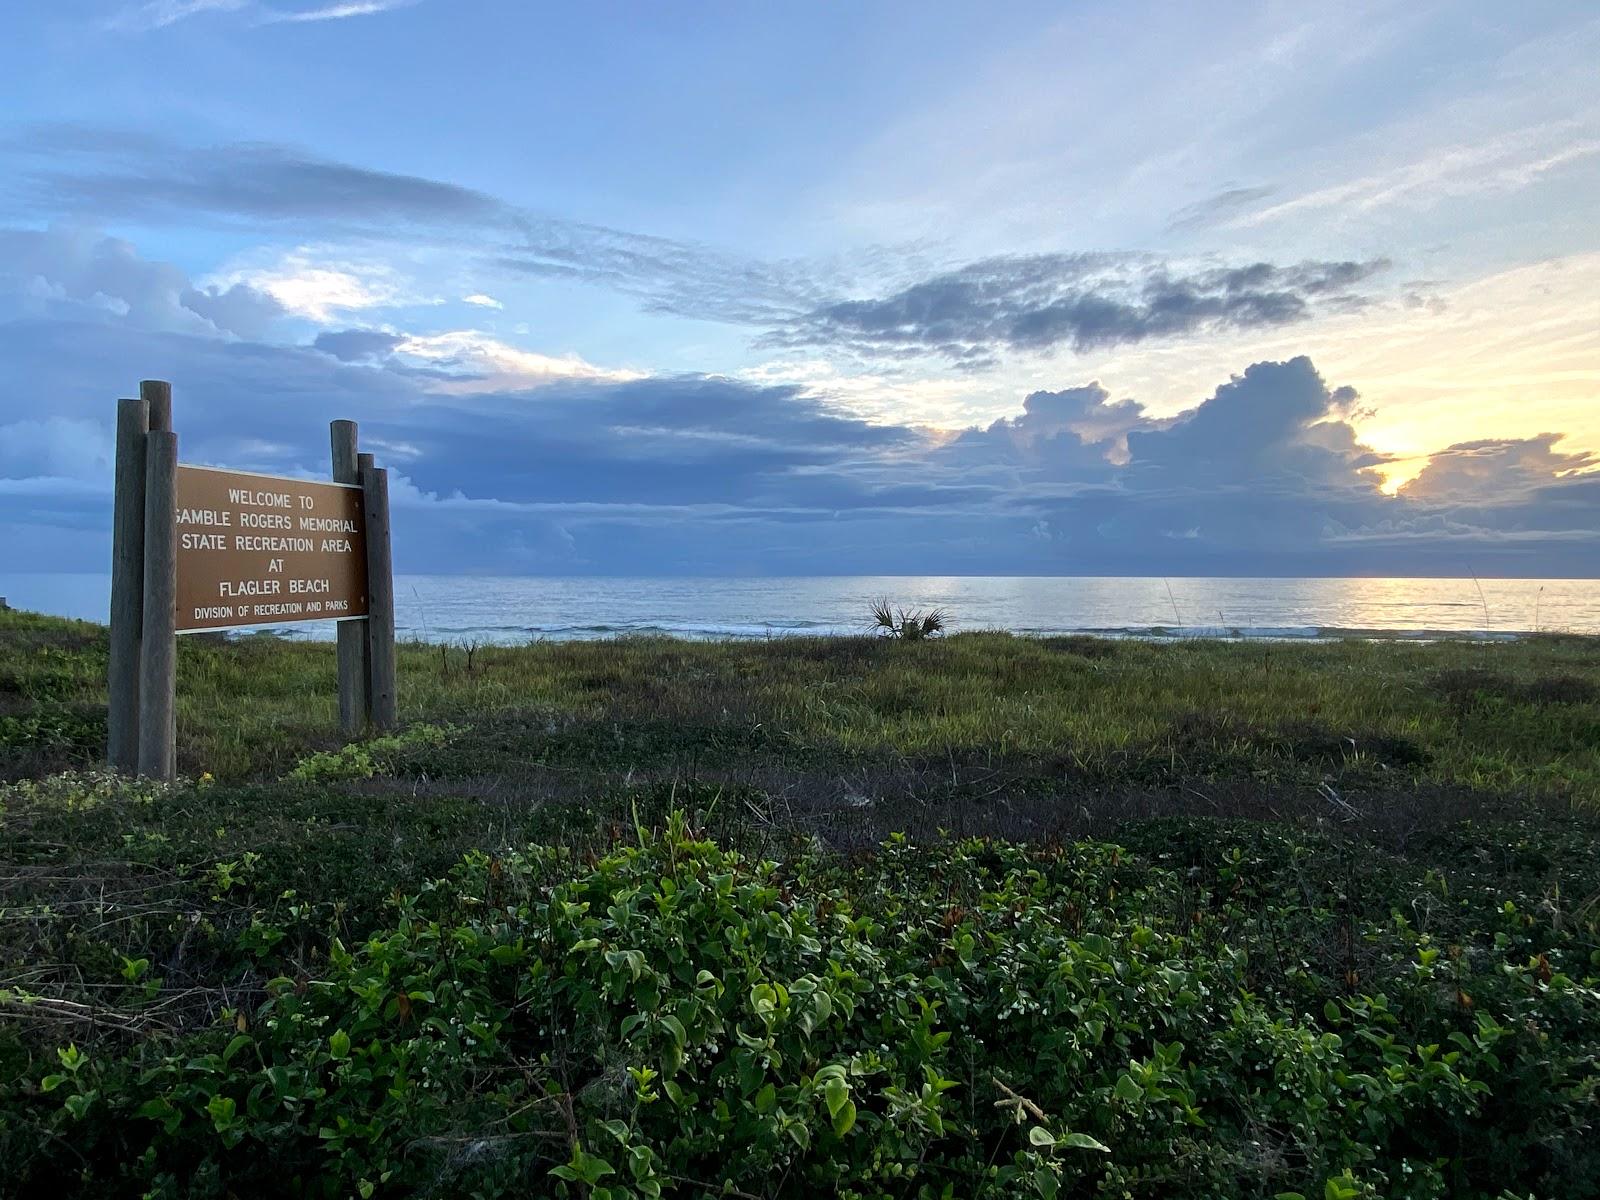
442	608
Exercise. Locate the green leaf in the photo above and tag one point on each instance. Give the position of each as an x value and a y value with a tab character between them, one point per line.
1082	1141
1040	1136
766	1099
239	1042
339	1044
222	1110
593	1169
835	1094
845	1119
639	1162
1128	1089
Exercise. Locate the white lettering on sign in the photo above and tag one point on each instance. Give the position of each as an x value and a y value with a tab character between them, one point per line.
250	587
255	520
259	547
273	545
291	609
259	499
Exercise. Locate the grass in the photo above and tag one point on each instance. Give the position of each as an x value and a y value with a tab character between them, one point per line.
1499	716
1312	829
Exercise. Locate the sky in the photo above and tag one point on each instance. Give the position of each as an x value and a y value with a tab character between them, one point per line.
888	288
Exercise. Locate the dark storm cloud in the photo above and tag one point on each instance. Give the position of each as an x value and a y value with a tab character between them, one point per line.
706	475
695	474
1498	470
357	345
1278	418
1266	461
664	441
240	309
1082	302
106	173
1076	433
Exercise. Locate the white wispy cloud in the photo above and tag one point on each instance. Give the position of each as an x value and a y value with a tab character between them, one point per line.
482	301
336	12
490	365
1506	163
158	14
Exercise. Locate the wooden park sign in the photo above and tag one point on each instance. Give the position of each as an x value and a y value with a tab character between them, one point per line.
264	548
197	548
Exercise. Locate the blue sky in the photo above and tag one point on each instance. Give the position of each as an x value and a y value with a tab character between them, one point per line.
1234	288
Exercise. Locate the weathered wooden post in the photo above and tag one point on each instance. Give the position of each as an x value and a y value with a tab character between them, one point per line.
158	678
380	595
355	704
127	588
157	393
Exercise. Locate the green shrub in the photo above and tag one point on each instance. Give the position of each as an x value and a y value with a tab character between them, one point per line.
967	1019
362	760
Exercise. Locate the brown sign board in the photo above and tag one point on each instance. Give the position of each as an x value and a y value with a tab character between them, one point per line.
265	549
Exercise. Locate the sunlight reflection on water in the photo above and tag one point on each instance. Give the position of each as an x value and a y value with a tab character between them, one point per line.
512	609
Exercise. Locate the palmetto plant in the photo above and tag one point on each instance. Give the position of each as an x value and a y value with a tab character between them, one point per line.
908	625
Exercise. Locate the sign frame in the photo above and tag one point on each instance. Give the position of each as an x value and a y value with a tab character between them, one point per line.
141	675
352	565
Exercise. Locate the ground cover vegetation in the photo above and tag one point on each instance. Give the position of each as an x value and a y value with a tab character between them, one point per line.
966	916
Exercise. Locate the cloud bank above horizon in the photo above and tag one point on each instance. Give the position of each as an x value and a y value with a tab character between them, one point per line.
555	466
